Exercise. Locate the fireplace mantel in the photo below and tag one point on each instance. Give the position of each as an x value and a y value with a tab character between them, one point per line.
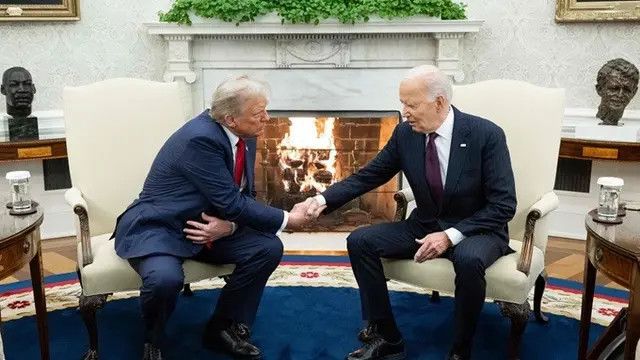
375	44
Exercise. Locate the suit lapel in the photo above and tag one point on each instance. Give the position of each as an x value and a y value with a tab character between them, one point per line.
458	154
228	159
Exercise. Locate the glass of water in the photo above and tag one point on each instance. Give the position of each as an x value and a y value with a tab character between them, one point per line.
610	188
20	194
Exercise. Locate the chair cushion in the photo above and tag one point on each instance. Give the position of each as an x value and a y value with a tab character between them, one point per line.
504	281
110	273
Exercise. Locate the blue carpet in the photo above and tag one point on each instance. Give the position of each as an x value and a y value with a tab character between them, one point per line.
293	323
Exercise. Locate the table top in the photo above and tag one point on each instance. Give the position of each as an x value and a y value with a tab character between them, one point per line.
12	226
625	236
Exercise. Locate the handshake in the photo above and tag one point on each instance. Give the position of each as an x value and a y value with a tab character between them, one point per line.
304	213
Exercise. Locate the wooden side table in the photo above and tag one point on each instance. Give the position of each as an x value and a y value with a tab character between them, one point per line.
615	251
19	245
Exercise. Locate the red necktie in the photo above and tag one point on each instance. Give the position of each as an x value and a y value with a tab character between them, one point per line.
239	167
432	167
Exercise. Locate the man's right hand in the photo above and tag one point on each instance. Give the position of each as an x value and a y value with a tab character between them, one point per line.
301	213
314	208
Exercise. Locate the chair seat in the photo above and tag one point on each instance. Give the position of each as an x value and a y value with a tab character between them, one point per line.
110	273
504	282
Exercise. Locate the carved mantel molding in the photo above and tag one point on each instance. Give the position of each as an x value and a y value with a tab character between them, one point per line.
325	45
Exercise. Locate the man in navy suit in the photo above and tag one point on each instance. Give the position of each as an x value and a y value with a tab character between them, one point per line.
459	169
206	170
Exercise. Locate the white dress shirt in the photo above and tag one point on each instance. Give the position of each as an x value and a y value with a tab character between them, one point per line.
443	146
233	140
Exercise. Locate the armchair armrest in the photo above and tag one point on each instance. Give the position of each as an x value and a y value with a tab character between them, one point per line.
541	208
74	198
402	197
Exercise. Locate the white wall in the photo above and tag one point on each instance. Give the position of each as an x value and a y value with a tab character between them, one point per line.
520	40
109	41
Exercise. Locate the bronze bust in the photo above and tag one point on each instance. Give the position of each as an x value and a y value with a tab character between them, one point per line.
617	83
17	86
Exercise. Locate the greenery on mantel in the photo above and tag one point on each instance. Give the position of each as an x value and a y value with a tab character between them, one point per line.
312	11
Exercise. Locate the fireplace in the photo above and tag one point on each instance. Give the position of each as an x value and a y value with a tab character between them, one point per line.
301	153
315	67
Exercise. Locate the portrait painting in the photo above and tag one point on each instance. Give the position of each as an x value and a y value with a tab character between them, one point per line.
34	10
597	10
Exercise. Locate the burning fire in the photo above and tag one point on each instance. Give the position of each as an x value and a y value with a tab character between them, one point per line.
308	155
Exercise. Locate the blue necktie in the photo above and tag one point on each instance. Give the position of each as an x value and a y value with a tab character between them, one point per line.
432	167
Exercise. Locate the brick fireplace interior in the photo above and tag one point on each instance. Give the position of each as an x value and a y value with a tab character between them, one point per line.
301	153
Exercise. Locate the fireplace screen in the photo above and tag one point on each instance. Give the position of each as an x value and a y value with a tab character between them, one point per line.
301	153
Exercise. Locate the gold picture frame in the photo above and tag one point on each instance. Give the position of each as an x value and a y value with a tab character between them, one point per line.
39	10
590	10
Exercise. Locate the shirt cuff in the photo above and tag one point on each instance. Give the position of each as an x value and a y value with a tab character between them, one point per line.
234	227
285	220
454	235
320	199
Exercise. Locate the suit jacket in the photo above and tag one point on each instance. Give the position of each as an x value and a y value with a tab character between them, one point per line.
479	194
192	173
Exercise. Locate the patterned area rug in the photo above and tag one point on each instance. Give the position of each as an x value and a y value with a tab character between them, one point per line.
561	297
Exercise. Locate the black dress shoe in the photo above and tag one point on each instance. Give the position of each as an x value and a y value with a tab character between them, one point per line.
454	356
368	333
233	340
379	349
151	352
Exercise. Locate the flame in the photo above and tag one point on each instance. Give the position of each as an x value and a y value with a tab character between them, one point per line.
306	150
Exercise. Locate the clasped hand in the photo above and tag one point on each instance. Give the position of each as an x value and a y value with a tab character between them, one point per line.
304	213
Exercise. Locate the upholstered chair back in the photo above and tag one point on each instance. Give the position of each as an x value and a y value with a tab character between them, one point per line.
114	128
531	117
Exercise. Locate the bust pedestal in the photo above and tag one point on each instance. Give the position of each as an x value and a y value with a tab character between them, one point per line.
620	133
23	128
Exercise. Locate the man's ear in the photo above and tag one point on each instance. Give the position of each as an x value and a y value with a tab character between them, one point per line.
440	100
34	88
2	90
229	121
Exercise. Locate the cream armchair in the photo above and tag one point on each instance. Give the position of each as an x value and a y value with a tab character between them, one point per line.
531	117
114	129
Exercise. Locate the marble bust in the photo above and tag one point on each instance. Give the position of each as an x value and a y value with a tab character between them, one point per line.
17	86
617	83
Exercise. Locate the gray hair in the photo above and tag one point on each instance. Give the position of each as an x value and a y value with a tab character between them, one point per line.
231	94
435	80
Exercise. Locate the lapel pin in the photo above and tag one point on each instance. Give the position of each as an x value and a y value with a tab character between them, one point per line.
463	145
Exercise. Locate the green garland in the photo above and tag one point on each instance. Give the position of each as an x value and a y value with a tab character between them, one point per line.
311	11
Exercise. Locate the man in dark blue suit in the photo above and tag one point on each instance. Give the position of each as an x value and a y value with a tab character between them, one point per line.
206	170
459	169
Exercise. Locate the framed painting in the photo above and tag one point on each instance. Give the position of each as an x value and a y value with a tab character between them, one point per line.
47	10
597	10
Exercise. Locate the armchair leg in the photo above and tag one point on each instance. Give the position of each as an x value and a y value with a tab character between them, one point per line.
519	315
435	297
541	282
186	291
88	307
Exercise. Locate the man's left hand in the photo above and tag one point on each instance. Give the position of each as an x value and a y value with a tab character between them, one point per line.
210	229
433	245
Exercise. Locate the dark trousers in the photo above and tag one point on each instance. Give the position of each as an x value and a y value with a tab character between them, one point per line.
470	259
255	254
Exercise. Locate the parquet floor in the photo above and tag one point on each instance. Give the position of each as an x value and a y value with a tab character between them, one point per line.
564	260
